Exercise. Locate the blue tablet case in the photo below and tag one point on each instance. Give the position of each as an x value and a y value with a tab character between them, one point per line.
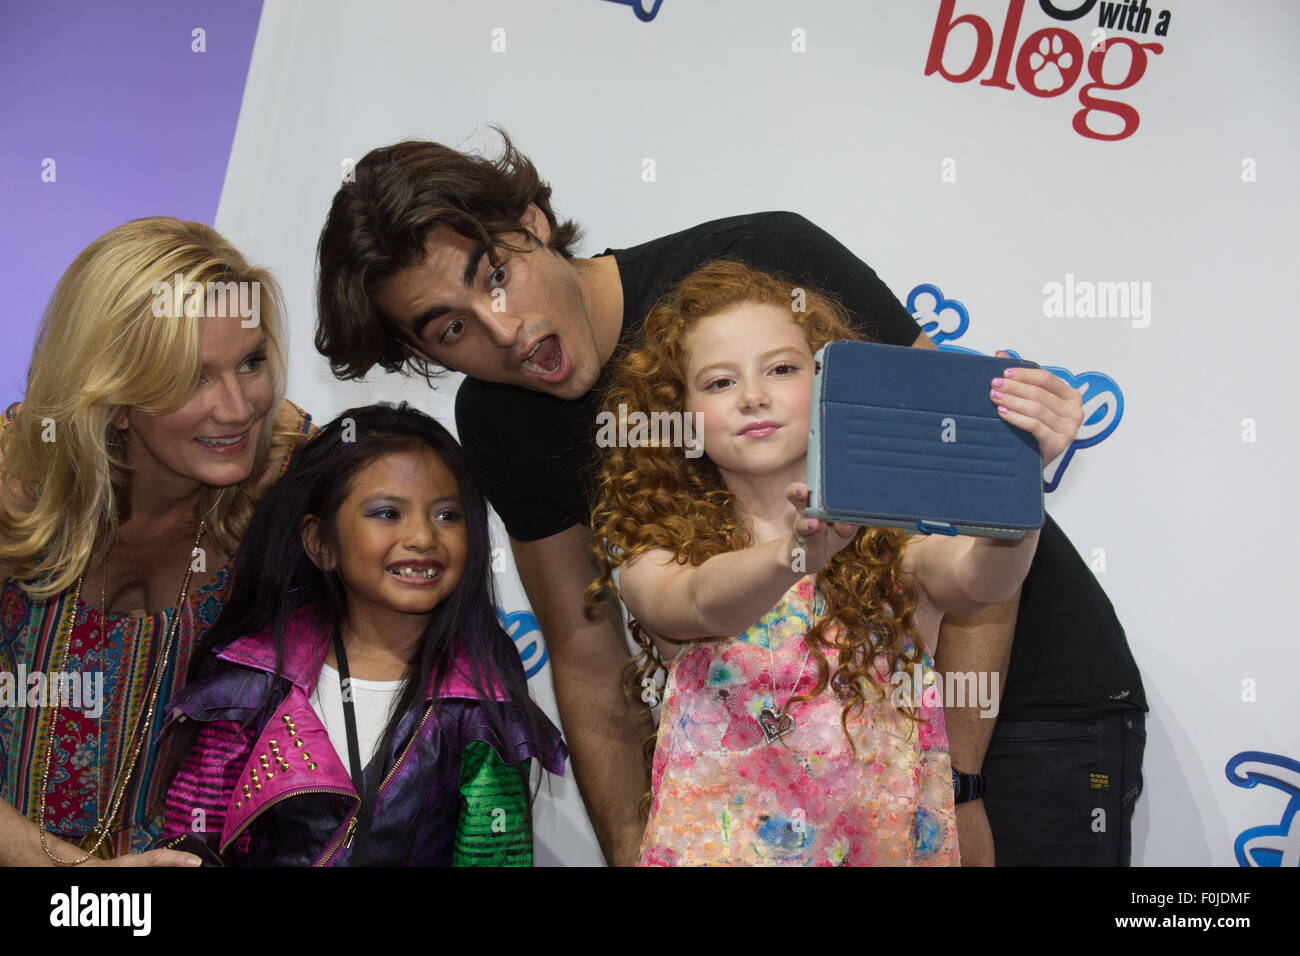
908	438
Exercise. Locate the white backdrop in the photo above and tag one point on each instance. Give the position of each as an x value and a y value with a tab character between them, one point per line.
988	193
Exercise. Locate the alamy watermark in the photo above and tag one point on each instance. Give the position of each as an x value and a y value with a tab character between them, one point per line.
951	689
1085	299
216	299
654	430
77	908
73	691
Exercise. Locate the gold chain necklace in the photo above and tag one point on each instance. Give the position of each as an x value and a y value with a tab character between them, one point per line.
94	842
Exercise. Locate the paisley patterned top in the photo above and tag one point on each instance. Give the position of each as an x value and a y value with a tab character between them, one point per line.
721	793
107	674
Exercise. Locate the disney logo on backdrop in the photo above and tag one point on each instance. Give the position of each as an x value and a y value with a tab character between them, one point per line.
638	7
944	320
526	632
1273	844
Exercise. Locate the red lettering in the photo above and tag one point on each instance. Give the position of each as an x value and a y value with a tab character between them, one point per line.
943	27
1048	64
1096	62
1006	47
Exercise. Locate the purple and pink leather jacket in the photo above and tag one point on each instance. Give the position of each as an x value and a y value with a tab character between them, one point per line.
278	794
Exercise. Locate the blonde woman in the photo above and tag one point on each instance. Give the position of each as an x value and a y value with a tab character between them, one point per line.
154	418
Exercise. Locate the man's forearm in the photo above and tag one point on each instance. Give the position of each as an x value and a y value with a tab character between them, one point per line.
605	732
976	644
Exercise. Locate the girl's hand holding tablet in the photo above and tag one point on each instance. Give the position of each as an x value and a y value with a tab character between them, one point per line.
1041	403
816	540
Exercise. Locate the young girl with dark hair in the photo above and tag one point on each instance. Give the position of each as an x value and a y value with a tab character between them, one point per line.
798	726
358	702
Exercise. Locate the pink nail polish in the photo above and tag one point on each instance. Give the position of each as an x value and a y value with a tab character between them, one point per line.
997	394
1010	373
998	383
1001	410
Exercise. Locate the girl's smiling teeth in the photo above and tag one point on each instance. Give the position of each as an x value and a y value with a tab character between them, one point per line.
427	572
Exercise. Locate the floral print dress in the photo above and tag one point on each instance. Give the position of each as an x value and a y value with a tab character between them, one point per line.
723	794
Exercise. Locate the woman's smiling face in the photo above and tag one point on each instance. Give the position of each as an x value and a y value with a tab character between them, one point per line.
211	439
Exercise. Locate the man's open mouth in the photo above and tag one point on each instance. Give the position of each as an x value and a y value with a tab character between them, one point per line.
544	358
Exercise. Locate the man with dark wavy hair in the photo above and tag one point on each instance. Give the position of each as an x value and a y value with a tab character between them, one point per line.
434	259
408	202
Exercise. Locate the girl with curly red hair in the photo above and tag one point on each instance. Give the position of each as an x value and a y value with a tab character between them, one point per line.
793	728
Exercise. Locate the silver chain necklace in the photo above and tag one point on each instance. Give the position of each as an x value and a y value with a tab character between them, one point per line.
776	724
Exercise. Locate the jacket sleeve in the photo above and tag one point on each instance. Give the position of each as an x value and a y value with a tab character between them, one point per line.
197	799
495	827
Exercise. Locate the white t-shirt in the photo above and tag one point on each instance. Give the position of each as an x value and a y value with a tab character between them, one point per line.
372	700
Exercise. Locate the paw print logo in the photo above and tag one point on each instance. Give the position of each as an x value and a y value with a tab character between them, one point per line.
1048	63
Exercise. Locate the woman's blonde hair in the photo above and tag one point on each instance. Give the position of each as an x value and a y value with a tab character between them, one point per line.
115	336
657	498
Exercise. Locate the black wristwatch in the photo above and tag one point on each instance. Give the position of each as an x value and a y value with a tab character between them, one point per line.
967	786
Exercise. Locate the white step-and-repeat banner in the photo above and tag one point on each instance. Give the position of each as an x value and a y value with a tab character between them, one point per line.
1104	187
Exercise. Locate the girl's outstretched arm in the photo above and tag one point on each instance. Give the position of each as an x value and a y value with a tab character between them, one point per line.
728	592
963	574
960	575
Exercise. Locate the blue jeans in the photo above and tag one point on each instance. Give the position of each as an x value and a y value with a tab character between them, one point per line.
1062	792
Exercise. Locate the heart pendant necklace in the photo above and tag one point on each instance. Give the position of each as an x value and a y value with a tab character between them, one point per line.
776	724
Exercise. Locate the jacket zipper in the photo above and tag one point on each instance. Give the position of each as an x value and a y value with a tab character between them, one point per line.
428	712
284	796
346	837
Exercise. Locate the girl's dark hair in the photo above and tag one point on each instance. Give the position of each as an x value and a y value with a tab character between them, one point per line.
274	578
379	222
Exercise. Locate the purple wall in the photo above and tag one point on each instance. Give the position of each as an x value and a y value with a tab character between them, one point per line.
137	123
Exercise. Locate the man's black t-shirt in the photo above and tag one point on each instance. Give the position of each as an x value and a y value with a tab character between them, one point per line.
1069	657
535	457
